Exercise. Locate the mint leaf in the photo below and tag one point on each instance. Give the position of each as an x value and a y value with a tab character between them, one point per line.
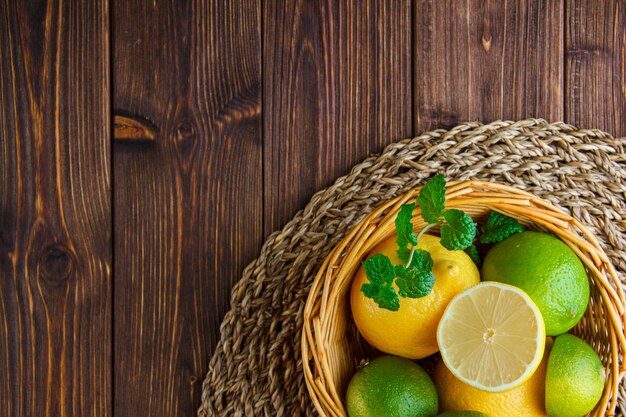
414	282
432	199
383	295
417	280
472	251
498	227
404	230
404	253
459	231
380	272
379	269
398	269
421	260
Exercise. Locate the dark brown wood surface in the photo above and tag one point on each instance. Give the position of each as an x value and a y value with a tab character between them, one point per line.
595	69
337	87
226	117
55	209
487	60
188	205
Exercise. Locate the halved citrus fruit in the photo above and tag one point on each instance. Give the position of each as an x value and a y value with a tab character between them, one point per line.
492	336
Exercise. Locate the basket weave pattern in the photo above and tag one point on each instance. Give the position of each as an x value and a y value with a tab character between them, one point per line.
256	369
333	348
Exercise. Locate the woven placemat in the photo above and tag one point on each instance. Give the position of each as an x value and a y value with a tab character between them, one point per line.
256	367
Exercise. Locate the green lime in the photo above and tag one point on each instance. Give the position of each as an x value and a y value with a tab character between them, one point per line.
463	414
392	386
574	379
548	271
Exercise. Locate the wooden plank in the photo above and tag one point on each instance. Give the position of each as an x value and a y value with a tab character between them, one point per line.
188	206
596	65
55	221
337	87
478	60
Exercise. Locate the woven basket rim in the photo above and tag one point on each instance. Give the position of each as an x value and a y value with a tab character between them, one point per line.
256	367
378	225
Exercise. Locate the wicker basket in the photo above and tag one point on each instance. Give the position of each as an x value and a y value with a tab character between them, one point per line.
332	347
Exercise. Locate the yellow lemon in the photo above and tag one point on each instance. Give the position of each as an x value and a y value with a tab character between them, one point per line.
526	400
492	336
411	331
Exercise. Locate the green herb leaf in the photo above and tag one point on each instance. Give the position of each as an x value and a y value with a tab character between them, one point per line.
380	272
498	227
459	231
404	253
379	269
414	282
398	269
421	260
432	199
404	230
472	251
383	295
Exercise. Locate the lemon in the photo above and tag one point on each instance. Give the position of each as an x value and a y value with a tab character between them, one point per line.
492	336
575	378
462	414
411	331
391	386
526	400
548	271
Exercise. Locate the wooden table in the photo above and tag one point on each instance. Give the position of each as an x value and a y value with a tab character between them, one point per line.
149	147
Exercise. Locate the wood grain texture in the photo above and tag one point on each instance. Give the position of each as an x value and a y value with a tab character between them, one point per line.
337	87
55	209
188	207
200	175
596	65
478	60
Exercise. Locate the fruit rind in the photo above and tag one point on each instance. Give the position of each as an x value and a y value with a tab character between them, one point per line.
574	378
414	326
548	270
465	413
390	384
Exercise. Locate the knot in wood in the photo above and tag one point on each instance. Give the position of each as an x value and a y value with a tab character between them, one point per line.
185	134
486	40
57	263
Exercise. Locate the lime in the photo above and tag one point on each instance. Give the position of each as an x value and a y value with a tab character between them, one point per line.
463	414
391	386
414	325
548	271
574	379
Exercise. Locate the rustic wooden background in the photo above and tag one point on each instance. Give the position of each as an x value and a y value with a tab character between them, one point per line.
149	147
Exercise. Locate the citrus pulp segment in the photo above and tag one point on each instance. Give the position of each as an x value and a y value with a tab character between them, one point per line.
492	336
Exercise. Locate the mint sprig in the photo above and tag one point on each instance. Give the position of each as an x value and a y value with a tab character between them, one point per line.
404	230
459	230
414	278
380	272
432	199
421	260
379	269
415	282
385	296
498	227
